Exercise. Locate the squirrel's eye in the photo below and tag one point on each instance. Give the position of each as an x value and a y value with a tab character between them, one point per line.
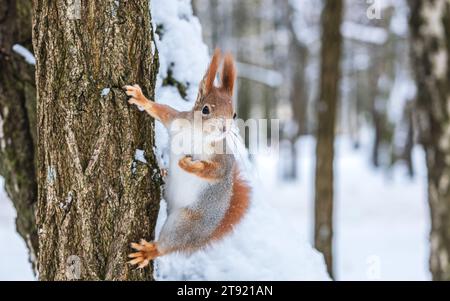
234	116
205	110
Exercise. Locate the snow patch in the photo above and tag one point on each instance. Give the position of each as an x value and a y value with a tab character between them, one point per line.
14	264
105	92
51	175
263	247
139	155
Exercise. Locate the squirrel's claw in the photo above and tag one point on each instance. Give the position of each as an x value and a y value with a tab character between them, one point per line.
134	255
132	91
143	264
137	98
136	246
135	261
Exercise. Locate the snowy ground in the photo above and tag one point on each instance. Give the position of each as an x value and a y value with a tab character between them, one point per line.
381	222
14	263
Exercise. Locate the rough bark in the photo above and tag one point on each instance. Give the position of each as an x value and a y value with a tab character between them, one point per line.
327	105
18	118
430	33
94	195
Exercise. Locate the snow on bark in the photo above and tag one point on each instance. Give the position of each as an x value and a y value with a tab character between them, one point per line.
25	53
263	246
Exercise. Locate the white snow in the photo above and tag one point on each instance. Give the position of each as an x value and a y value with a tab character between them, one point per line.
14	263
139	155
105	91
25	53
399	23
363	33
180	45
263	247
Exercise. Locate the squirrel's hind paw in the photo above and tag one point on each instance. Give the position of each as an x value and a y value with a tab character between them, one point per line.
146	252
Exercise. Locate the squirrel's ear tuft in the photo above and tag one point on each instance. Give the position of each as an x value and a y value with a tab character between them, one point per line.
208	80
228	75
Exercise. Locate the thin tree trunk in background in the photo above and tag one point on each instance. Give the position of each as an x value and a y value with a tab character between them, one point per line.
409	143
298	97
376	114
327	105
430	32
18	118
95	196
298	94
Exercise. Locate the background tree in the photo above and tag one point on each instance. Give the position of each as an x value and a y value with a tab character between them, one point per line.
98	181
18	117
326	108
430	32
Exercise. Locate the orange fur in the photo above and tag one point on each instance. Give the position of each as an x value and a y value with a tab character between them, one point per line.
163	113
210	76
207	170
238	206
146	251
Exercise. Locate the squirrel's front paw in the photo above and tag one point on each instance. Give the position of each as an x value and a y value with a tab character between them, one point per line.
188	164
137	97
146	251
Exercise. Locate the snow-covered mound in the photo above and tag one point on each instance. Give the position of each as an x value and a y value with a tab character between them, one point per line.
263	246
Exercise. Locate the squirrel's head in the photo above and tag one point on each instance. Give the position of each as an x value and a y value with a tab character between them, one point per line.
215	103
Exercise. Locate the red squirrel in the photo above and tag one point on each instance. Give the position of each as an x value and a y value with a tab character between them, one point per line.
205	194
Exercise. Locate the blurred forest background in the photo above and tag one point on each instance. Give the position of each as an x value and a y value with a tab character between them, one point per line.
277	45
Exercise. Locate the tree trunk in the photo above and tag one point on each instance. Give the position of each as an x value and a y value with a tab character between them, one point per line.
430	32
96	194
329	91
18	118
376	113
298	94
